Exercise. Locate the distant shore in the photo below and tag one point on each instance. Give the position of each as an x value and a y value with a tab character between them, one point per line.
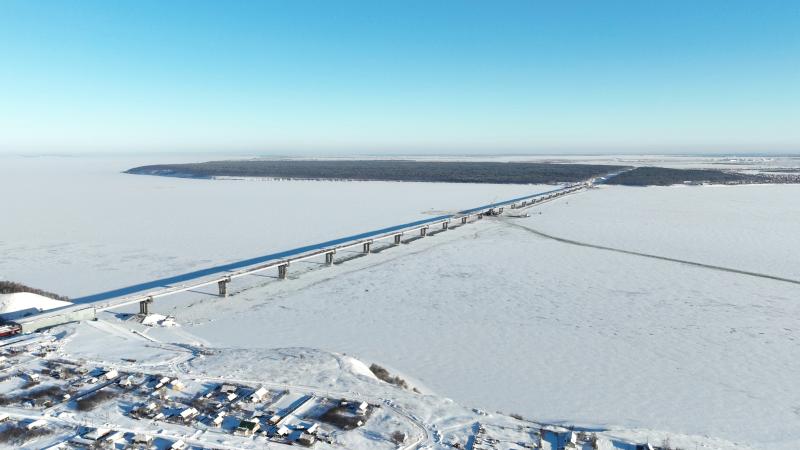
456	172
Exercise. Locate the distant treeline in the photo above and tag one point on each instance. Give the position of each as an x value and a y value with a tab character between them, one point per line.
10	287
386	170
660	176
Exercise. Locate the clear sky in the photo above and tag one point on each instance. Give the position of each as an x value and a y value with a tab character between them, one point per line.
321	77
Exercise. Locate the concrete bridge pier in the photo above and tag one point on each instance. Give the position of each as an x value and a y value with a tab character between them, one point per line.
282	269
367	247
329	257
423	231
464	220
500	210
397	238
144	306
445	225
223	287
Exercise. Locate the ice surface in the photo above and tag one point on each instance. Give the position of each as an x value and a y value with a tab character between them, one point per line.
78	226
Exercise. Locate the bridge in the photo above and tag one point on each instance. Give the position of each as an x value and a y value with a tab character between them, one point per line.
86	308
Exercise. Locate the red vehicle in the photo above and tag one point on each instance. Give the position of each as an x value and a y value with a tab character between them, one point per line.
9	329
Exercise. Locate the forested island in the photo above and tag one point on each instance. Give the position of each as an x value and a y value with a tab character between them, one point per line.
386	170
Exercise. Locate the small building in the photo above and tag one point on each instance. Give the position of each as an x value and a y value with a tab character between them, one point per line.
111	374
178	445
247	428
284	430
36	424
275	419
259	394
142	439
362	408
96	434
177	385
3	417
306	439
231	397
188	414
227	388
217	422
113	438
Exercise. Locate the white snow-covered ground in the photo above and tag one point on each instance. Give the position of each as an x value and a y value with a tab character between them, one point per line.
77	225
21	304
500	318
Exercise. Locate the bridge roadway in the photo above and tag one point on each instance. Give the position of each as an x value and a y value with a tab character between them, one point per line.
85	307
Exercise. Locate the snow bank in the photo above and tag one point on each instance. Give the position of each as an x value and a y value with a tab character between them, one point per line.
21	304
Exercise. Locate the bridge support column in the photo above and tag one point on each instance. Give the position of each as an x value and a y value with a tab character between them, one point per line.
397	238
367	247
144	306
500	210
329	258
464	220
423	231
223	287
282	269
445	225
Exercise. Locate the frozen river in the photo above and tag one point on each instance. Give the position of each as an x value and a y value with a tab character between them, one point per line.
78	226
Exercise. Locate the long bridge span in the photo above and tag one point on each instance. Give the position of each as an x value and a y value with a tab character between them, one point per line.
86	308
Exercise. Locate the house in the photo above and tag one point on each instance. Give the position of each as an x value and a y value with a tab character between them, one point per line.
306	439
247	428
227	388
275	419
142	439
178	445
96	434
113	438
162	382
362	408
231	397
219	419
313	428
284	430
111	374
188	414
259	394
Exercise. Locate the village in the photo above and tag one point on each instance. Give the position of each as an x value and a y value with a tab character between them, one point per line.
51	401
34	383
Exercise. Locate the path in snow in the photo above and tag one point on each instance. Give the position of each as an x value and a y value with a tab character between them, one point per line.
648	255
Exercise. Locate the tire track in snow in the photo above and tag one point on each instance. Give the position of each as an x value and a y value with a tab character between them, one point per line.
648	255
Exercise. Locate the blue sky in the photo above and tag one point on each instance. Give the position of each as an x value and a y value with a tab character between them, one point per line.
421	77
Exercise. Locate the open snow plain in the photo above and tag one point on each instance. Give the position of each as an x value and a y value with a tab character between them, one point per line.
499	317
